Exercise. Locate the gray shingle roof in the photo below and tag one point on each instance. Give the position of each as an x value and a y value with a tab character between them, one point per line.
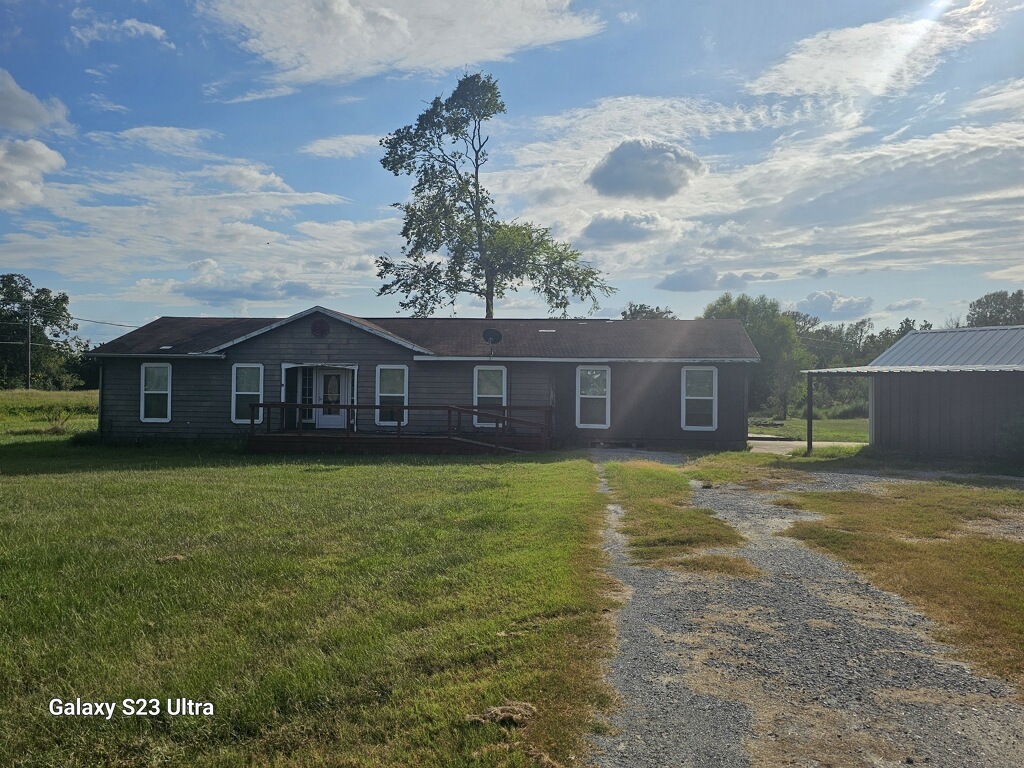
463	337
586	339
182	335
998	348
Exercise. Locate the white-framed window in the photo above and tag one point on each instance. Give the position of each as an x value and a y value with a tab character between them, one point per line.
593	396
392	389
155	393
246	388
700	399
490	392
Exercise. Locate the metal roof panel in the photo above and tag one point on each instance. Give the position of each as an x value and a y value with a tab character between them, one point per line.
991	347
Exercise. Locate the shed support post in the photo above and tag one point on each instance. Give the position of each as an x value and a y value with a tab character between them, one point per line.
810	412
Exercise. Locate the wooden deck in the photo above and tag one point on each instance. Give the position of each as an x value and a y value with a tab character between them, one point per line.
513	435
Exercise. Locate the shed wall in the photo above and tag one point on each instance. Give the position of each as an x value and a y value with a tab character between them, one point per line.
944	414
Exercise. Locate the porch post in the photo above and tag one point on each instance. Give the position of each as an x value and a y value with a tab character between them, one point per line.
810	411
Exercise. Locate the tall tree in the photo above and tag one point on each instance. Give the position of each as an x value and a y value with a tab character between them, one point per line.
454	242
997	308
776	382
36	314
646	312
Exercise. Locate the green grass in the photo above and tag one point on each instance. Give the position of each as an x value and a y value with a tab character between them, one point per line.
838	430
349	612
918	541
659	522
26	412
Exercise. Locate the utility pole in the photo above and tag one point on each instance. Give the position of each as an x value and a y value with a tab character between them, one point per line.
28	347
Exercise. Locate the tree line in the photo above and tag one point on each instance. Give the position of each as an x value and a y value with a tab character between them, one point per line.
38	344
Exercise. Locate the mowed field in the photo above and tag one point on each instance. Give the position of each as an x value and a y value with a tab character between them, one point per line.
839	430
408	611
341	611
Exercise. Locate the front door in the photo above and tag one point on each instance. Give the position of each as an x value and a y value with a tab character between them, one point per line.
332	389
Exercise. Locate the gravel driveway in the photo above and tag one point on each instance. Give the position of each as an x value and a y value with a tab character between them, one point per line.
806	665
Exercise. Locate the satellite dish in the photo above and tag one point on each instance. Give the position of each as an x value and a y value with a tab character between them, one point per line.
492	335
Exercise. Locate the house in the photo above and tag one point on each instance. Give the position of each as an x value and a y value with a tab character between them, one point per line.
951	392
323	379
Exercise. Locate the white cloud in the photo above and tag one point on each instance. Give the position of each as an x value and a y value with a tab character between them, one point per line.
349	39
623	227
702	278
904	305
706	278
215	286
22	166
551	171
101	103
247	177
877	59
832	305
118	30
824	198
1005	97
150	220
101	71
645	168
1012	274
264	93
346	145
730	281
183	142
22	112
819	273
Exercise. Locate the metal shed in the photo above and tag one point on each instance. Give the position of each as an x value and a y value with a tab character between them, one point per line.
950	392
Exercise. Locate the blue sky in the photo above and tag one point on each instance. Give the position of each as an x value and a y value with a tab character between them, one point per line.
220	157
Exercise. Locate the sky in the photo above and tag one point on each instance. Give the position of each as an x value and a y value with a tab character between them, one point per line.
221	157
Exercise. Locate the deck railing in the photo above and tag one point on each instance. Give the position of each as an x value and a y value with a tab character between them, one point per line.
450	424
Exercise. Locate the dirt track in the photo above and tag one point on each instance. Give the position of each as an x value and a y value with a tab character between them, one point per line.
805	665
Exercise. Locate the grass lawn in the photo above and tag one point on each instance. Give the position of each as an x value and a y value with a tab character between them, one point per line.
33	412
661	525
839	430
350	612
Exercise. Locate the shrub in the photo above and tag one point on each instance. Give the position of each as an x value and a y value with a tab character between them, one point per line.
856	410
57	417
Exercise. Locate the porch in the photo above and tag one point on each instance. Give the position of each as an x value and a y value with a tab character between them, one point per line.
453	429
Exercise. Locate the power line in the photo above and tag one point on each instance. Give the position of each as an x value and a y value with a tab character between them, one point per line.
54	315
105	322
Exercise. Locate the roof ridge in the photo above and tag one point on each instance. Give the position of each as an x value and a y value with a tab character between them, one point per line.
970	328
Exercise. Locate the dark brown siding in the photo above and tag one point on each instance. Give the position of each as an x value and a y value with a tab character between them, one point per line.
645	406
944	414
199	405
201	389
